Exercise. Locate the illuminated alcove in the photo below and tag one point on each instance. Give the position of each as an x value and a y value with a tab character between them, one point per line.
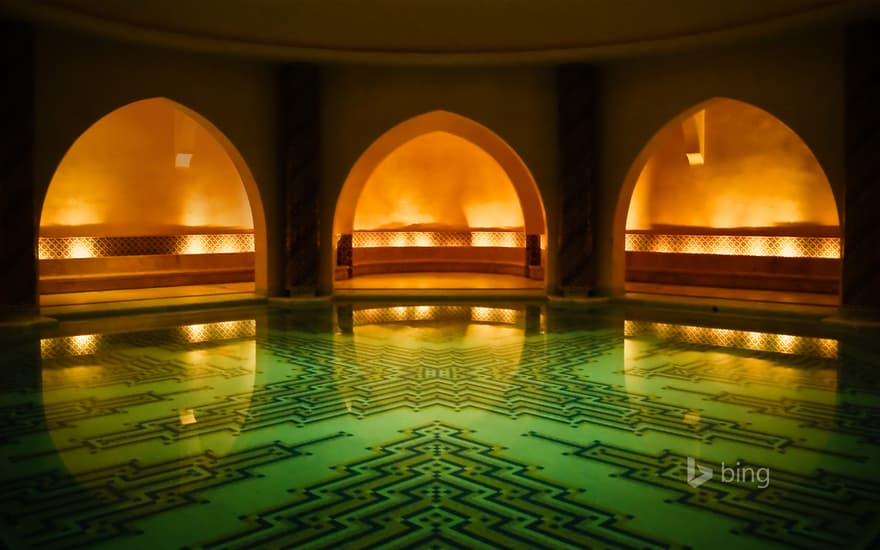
151	195
727	196
439	193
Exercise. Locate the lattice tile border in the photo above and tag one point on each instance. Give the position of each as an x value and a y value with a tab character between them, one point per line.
378	239
735	245
58	248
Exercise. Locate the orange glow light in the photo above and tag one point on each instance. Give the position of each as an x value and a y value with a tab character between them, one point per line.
378	239
494	315
730	165
187	417
83	344
195	333
438	179
227	245
81	247
219	331
695	159
195	244
479	314
733	245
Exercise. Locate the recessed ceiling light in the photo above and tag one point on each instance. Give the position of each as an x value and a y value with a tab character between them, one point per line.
695	159
182	160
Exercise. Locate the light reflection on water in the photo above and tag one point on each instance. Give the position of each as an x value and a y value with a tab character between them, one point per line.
233	418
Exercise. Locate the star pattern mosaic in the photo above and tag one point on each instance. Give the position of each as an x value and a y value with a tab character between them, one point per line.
476	428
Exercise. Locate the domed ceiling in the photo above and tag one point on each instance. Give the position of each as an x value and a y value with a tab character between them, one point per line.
536	30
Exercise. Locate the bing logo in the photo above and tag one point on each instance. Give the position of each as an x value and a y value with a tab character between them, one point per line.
698	475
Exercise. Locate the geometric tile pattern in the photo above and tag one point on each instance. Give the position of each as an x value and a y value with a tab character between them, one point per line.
504	239
846	418
746	369
816	511
101	504
456	429
56	248
735	245
437	486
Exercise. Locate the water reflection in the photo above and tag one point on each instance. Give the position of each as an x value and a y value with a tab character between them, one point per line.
185	421
728	338
777	391
159	394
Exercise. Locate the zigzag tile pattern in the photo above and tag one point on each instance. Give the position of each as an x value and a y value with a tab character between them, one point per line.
815	511
446	433
437	487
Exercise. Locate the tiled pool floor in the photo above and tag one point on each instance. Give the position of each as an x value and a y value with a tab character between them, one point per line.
439	427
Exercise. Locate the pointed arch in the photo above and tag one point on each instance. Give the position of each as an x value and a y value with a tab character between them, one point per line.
229	151
798	198
441	121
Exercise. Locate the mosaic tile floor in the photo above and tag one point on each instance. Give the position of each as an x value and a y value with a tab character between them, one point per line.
439	427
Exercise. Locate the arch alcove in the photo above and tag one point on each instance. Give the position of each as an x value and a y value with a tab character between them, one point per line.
728	201
440	193
151	196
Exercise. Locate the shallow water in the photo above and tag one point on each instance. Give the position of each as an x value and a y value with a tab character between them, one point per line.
438	426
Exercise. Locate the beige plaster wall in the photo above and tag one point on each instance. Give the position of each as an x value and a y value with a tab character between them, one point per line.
360	103
121	178
755	172
79	79
438	181
798	79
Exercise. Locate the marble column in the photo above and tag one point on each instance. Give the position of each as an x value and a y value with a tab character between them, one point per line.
344	257
577	88
18	275
299	98
860	292
534	269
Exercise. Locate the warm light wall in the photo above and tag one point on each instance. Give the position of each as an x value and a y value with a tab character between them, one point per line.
120	179
757	173
438	180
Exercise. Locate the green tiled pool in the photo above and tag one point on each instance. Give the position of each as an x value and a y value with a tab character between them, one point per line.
438	426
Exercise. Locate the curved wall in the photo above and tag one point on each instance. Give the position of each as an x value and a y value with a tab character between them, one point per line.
122	178
752	172
438	180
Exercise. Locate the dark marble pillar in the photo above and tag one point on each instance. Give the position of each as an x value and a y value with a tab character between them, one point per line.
577	86
299	99
344	253
533	320
860	292
534	269
344	318
18	275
